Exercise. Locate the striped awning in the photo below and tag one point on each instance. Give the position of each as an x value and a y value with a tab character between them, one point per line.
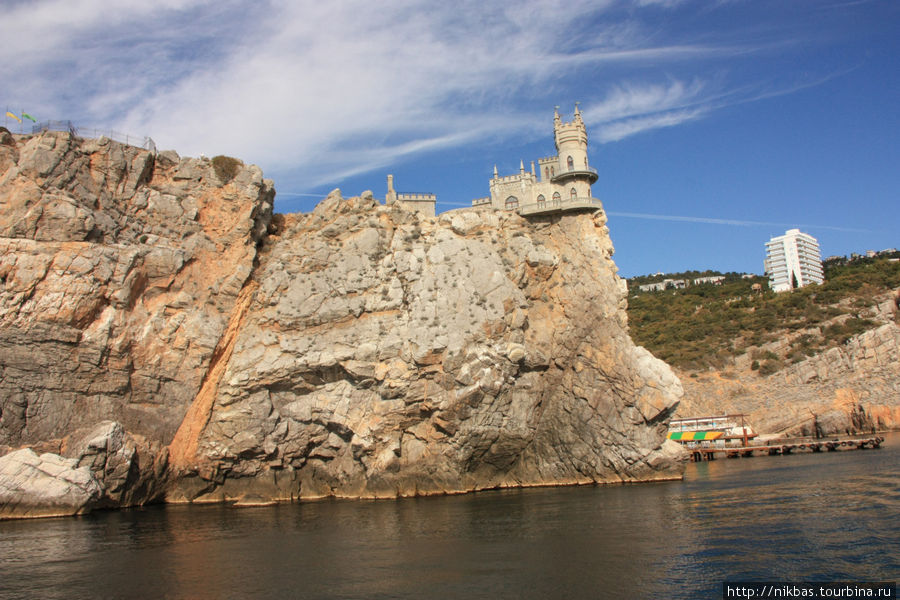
689	436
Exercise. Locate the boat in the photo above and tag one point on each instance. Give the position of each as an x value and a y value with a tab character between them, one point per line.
723	430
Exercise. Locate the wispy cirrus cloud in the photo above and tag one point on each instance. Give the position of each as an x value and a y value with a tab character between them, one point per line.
632	108
371	84
613	132
663	3
328	90
731	222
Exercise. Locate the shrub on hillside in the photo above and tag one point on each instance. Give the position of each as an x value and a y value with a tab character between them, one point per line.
226	167
769	367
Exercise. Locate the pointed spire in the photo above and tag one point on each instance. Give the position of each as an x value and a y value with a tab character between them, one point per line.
577	112
556	114
521	166
495	172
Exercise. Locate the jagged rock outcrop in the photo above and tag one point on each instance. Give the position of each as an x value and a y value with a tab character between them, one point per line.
118	273
385	353
161	330
102	467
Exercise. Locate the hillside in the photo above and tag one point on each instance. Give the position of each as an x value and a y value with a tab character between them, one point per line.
711	325
825	356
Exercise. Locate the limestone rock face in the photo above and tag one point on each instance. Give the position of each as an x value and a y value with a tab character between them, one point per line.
385	353
162	336
118	272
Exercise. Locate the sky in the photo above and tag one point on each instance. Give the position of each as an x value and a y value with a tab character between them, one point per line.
714	124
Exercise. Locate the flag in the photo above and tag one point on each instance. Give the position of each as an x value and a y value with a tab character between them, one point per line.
25	115
9	114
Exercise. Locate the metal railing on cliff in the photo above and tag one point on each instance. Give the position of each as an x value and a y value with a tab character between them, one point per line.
144	142
554	206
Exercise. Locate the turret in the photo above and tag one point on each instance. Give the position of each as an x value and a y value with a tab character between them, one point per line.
391	196
571	145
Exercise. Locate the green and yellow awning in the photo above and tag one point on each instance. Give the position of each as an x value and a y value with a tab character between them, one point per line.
691	436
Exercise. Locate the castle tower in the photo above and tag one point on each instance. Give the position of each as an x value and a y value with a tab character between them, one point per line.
561	183
391	196
571	146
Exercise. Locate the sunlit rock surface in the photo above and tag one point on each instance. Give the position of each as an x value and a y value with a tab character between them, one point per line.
155	318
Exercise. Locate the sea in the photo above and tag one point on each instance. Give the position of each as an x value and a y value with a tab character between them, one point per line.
829	517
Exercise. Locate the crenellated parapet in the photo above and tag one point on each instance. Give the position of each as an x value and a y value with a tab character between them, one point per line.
529	177
418	202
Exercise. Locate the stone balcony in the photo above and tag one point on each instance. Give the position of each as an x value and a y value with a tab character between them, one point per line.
586	173
559	206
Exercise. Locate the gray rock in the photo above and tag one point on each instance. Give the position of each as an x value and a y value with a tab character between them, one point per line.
171	338
130	470
113	293
860	376
45	486
386	354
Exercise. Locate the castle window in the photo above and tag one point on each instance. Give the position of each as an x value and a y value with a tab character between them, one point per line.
541	201
570	163
573	194
585	162
546	173
512	203
556	197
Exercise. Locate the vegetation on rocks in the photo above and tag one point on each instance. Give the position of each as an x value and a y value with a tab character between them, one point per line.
226	167
710	325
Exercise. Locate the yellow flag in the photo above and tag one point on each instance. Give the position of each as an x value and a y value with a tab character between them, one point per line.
9	114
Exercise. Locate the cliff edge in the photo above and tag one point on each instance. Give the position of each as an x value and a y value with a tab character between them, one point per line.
164	337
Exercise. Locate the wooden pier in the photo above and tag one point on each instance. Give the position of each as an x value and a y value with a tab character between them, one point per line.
781	447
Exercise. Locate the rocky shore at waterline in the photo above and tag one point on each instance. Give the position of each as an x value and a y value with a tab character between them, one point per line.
165	338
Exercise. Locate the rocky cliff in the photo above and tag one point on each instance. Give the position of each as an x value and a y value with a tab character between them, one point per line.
164	337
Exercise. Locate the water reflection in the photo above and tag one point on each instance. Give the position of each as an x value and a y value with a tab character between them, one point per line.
801	517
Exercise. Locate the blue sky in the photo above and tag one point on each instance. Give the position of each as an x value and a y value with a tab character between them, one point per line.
714	125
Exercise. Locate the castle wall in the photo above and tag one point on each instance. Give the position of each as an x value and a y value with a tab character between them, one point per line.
519	186
423	203
548	167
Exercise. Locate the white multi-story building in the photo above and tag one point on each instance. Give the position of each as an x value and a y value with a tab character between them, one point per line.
793	260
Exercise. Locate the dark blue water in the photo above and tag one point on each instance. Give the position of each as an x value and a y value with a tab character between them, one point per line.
827	517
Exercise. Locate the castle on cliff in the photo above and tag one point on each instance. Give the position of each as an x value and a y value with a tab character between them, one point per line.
562	183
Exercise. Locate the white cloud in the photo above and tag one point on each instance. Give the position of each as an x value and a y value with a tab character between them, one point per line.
314	79
732	222
663	3
629	108
613	132
629	100
329	89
